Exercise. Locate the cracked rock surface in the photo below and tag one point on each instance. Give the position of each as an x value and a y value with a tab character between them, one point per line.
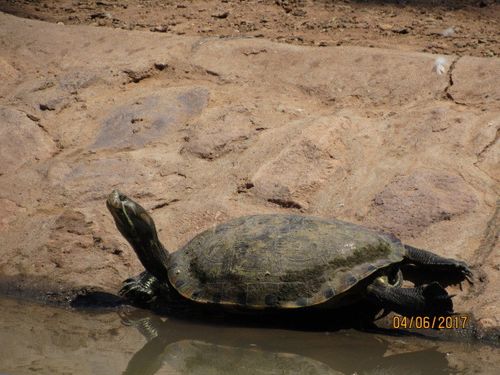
201	130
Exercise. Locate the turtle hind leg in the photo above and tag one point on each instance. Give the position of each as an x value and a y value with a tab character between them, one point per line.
429	300
141	289
453	269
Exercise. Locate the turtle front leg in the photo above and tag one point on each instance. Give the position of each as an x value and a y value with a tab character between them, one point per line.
455	268
141	289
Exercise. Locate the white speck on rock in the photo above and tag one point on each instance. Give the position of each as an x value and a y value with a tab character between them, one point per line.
440	65
450	31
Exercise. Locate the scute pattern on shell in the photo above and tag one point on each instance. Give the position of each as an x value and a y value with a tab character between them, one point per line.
281	261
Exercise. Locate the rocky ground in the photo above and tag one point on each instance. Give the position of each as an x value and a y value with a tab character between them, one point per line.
461	27
201	129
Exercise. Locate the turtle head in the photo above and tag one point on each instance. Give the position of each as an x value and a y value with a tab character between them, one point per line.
131	219
139	229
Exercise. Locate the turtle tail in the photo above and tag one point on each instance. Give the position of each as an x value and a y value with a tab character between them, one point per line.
428	300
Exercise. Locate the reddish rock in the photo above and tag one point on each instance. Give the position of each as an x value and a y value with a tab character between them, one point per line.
363	134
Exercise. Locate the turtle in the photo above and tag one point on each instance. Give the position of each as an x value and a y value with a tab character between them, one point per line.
283	262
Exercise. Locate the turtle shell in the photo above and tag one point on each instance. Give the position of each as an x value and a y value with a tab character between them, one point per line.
282	261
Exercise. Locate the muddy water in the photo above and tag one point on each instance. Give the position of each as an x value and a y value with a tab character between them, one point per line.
47	340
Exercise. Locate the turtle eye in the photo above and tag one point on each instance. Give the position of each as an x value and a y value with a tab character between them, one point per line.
129	207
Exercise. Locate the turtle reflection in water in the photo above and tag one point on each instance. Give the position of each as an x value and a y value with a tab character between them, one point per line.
201	349
282	263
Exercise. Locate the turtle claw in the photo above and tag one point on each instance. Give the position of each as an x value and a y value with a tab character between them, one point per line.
139	289
469	278
130	280
465	271
125	287
136	293
128	285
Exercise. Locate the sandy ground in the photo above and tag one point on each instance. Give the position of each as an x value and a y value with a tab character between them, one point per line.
201	129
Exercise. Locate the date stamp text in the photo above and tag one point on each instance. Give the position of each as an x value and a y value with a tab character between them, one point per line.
432	322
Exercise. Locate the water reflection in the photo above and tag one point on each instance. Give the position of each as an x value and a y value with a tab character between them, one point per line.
47	340
199	349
